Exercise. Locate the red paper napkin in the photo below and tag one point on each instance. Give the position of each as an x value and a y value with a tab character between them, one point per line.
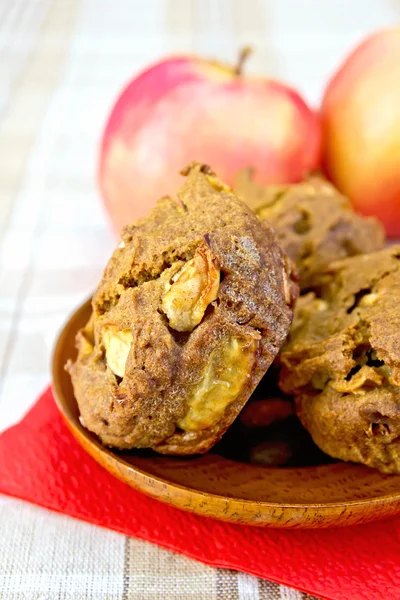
41	462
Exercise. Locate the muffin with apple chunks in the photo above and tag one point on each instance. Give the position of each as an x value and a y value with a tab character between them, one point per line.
342	360
314	222
192	309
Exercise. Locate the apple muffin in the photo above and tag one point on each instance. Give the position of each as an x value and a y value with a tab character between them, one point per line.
314	222
342	360
192	309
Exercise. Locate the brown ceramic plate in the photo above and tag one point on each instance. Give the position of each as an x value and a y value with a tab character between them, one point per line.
315	496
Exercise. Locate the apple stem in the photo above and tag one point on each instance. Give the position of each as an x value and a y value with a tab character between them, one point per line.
243	55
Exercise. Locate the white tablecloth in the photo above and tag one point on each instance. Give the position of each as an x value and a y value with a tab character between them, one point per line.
62	63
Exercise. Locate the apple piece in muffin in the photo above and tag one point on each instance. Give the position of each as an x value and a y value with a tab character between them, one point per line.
342	360
191	310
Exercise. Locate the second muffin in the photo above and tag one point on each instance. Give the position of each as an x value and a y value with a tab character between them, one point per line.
342	360
314	222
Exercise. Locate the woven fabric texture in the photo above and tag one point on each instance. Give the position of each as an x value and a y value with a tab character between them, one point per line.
62	64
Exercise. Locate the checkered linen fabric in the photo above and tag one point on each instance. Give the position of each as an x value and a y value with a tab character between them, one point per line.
62	63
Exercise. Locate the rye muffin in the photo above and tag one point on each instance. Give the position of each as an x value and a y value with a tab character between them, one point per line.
191	310
314	222
342	360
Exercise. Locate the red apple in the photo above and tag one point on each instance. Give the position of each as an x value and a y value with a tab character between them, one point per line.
187	108
361	128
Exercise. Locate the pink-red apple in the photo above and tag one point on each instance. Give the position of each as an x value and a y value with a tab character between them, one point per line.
361	128
186	109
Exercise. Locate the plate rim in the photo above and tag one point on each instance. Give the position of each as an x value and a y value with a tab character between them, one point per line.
87	443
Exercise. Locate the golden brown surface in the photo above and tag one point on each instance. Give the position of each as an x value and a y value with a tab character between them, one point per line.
342	360
192	308
313	221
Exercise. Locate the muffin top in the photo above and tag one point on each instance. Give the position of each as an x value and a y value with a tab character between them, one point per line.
191	310
342	360
314	222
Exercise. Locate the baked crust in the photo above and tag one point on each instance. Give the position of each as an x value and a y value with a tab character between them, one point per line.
342	360
314	223
149	374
